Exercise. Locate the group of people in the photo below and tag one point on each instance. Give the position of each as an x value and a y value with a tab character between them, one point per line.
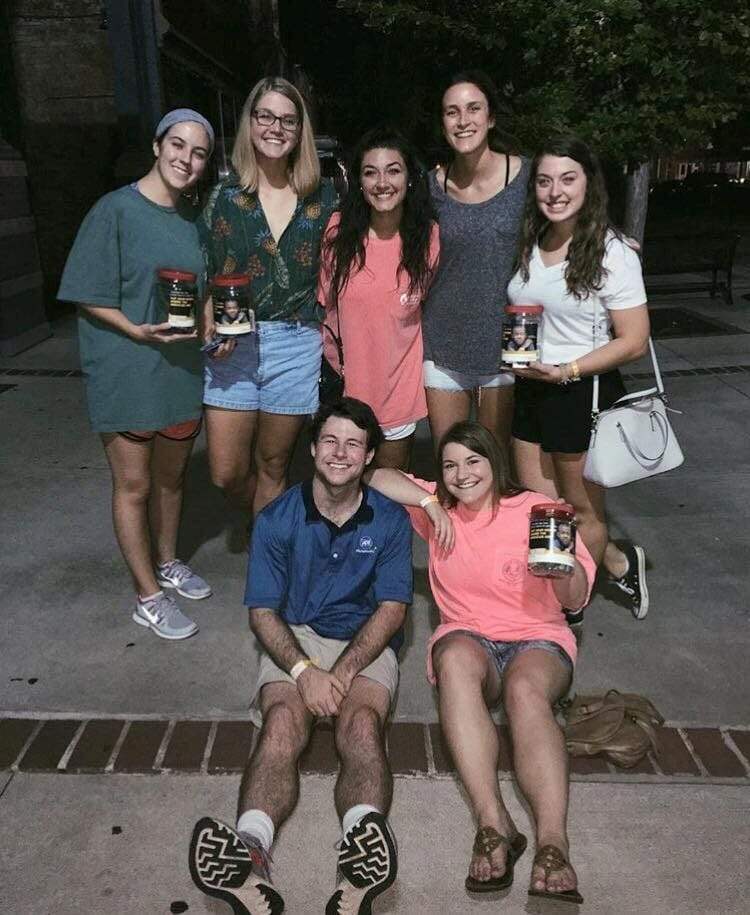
400	286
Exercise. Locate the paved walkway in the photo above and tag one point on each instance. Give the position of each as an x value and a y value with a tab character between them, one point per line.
113	742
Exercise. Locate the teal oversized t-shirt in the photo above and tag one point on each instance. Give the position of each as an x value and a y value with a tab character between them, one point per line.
121	244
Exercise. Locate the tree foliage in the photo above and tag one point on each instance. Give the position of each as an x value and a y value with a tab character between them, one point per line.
637	78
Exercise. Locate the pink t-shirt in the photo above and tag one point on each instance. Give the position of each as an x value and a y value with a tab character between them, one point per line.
380	326
483	584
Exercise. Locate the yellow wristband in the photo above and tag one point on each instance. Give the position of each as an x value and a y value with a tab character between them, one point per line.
427	499
302	666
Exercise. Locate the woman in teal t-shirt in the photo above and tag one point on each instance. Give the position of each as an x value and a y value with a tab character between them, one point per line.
143	380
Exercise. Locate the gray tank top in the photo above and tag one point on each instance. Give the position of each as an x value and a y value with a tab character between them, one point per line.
478	247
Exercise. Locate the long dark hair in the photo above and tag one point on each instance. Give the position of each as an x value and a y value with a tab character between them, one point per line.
499	140
344	248
477	438
584	271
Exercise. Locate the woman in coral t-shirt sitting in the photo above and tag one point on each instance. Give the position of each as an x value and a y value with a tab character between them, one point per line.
502	635
379	255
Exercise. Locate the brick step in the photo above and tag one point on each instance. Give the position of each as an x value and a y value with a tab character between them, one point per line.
215	747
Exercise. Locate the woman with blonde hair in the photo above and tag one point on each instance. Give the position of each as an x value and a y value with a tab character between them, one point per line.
265	220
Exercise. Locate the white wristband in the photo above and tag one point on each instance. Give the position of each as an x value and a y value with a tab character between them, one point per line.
427	499
300	667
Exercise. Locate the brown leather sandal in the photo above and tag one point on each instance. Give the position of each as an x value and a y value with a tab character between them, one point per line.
486	841
552	859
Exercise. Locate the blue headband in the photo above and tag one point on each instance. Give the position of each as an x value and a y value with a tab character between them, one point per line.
178	116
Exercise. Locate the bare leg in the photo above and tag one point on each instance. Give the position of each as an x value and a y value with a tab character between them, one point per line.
532	681
169	461
534	468
467	684
230	436
365	775
445	409
495	412
130	463
277	436
270	781
394	454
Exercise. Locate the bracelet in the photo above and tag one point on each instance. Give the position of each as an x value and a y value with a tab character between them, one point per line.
427	499
575	372
302	666
564	373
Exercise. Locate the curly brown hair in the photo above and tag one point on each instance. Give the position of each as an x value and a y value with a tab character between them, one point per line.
584	272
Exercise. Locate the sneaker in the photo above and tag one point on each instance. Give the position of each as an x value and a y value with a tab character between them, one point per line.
233	867
176	574
367	866
574	617
633	582
162	615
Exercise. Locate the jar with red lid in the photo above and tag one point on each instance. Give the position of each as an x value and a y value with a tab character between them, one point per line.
522	334
552	540
233	313
177	293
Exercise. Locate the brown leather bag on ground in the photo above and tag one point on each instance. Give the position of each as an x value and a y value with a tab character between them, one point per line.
621	727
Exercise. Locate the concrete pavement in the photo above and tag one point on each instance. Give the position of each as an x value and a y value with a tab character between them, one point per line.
69	649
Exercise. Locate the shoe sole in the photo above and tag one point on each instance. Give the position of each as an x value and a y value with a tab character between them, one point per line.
168	584
155	629
642	610
220	862
369	861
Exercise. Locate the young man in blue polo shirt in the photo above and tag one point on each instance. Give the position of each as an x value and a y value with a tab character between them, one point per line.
328	584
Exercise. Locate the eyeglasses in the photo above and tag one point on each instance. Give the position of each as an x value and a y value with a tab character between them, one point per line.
267	118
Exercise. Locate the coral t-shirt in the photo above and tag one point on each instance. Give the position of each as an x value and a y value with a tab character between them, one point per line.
483	584
380	326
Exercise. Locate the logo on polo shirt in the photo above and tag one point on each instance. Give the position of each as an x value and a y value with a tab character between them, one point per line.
366	545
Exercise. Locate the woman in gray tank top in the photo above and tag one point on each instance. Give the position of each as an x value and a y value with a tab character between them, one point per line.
479	196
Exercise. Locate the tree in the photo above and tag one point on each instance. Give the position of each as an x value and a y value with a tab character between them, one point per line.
636	78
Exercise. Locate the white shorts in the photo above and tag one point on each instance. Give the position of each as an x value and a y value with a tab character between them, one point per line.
443	379
395	433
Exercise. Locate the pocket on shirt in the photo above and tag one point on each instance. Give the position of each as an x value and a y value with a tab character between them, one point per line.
510	569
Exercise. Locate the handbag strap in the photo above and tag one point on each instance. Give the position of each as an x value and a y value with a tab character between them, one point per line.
654	364
337	339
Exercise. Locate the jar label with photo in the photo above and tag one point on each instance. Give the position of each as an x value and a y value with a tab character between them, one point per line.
552	540
520	342
232	316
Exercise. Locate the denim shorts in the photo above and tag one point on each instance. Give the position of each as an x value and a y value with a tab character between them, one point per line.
502	653
274	369
435	376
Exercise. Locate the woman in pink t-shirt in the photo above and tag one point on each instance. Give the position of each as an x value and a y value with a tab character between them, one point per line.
379	255
502	635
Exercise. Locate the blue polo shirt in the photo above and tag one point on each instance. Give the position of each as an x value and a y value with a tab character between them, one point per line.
326	577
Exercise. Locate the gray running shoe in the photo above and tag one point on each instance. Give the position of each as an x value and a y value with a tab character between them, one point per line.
367	866
177	574
233	867
162	615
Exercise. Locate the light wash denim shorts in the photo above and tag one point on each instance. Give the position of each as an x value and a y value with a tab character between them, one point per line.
502	653
274	369
435	376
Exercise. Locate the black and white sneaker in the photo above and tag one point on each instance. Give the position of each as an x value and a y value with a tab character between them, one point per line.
574	618
232	867
633	582
367	866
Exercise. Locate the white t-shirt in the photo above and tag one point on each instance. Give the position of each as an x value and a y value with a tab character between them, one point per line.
567	332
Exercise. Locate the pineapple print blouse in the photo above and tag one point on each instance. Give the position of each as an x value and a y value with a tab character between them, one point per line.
236	239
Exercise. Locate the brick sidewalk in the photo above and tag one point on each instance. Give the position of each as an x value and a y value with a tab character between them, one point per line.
72	745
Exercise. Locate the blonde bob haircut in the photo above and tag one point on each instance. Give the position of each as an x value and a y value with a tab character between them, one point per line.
303	166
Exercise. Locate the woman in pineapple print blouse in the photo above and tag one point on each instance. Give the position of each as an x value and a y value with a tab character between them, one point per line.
265	220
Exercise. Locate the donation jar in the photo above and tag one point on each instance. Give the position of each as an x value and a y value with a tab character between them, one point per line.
552	540
177	294
233	313
522	334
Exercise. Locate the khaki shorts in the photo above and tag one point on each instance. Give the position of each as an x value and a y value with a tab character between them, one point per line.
383	670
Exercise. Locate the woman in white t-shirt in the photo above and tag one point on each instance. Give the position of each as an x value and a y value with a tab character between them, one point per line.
575	264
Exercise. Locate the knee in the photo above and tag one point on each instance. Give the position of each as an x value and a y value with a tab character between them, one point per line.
357	729
133	489
522	696
226	477
454	661
273	465
283	734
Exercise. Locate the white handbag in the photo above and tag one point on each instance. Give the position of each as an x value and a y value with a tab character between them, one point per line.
634	438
